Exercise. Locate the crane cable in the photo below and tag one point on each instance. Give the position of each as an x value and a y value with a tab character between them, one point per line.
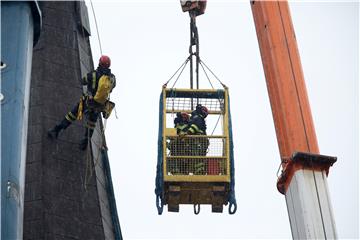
183	65
206	75
202	62
208	78
194	40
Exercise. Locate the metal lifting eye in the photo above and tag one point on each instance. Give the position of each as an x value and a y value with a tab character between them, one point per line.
196	209
232	208
159	204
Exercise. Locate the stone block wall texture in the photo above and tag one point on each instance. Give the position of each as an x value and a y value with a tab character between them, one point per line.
57	204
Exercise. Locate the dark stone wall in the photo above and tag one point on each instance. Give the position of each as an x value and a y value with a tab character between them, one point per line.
57	204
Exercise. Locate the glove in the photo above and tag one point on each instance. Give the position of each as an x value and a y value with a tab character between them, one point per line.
90	100
182	135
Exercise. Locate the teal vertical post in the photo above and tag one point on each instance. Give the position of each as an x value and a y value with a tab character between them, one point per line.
18	20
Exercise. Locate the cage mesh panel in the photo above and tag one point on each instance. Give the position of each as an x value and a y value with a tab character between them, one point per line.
203	148
184	104
196	146
191	166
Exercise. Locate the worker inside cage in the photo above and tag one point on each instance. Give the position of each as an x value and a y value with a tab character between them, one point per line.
196	146
181	123
178	146
197	126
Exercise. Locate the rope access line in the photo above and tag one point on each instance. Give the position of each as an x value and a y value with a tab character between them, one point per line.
89	169
96	25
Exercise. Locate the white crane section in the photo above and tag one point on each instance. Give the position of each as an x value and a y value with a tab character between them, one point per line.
309	206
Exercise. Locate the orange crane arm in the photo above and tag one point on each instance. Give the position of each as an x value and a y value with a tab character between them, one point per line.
286	87
304	170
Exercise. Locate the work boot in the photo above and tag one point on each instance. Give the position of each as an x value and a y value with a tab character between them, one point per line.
54	132
83	144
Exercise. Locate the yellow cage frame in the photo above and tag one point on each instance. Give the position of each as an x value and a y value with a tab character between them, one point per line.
171	132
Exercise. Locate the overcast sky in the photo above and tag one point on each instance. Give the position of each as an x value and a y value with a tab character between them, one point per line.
148	40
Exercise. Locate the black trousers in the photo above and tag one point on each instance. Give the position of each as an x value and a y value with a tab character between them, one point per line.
89	113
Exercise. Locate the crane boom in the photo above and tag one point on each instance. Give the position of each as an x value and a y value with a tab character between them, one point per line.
303	179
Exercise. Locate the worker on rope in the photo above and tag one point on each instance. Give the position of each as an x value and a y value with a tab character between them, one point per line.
198	146
98	85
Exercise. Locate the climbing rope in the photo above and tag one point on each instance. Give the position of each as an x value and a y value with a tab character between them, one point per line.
96	25
89	168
